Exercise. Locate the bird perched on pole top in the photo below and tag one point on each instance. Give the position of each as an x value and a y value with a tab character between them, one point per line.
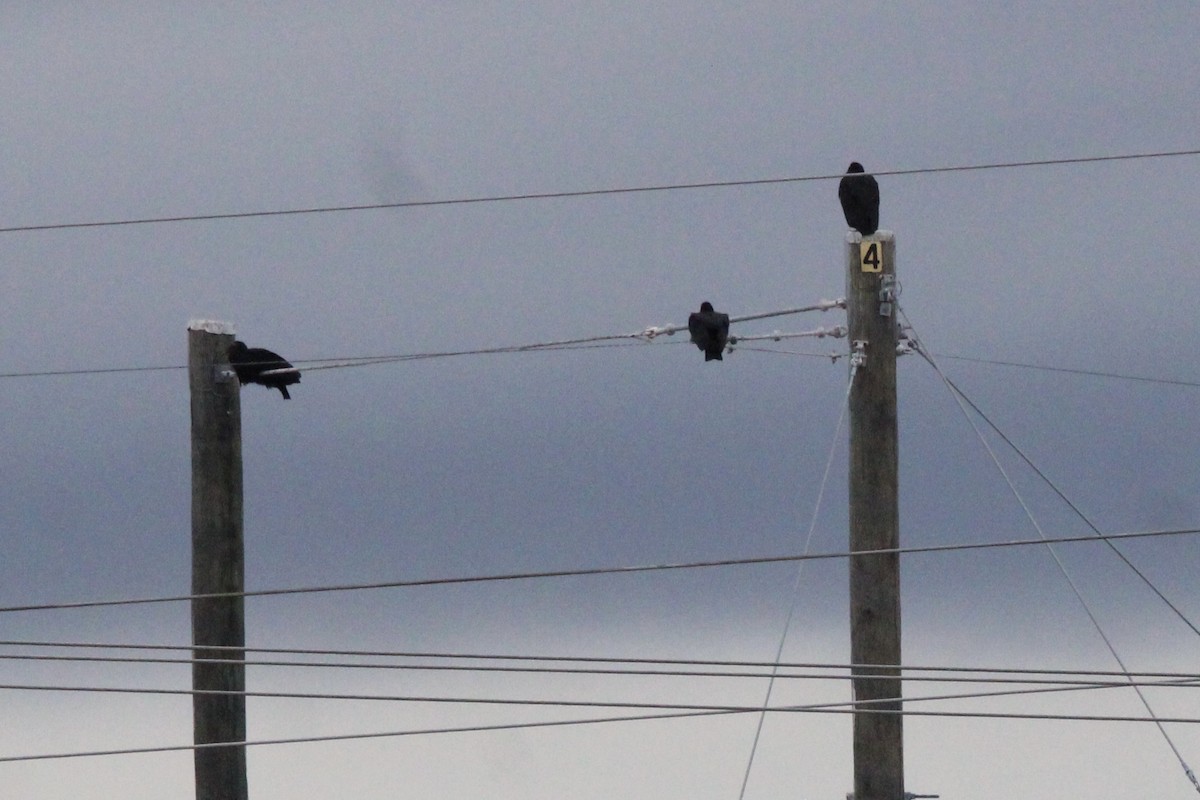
709	330
250	364
859	194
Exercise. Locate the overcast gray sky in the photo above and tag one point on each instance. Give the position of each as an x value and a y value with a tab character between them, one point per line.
608	457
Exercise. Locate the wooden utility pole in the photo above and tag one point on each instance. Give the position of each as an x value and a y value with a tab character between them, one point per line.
874	518
217	564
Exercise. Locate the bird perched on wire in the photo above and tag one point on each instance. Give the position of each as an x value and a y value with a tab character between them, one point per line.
251	362
859	194
709	330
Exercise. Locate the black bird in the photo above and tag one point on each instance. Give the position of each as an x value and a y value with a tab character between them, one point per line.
710	331
251	362
859	194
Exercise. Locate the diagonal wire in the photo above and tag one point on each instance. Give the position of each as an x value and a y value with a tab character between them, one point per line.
591	571
812	526
544	724
1078	512
561	195
1054	553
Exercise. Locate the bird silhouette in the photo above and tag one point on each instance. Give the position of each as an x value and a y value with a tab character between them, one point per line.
859	194
251	362
709	330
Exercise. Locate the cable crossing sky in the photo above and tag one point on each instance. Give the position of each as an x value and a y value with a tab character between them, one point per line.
563	195
959	399
592	571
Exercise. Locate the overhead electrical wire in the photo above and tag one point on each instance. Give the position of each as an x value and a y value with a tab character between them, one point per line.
834	356
1073	371
842	674
583	572
941	672
589	721
646	335
596	343
591	703
603	341
631	339
562	195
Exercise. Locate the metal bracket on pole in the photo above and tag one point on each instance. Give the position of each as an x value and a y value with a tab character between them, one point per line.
887	294
859	355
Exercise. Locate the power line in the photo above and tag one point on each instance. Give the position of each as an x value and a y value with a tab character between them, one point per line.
569	573
1088	676
573	703
644	336
562	195
359	736
633	339
1159	679
1073	371
314	364
591	721
90	371
602	342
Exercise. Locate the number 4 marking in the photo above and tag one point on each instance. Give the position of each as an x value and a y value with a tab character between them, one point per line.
870	255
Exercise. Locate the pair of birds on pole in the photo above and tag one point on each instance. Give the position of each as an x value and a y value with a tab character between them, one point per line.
859	195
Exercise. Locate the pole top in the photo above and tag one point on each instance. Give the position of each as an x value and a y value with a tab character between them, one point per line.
853	236
212	326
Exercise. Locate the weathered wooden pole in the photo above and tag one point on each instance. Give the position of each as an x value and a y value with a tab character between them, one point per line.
217	563
874	518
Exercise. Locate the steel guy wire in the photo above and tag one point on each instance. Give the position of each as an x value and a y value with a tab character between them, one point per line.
795	594
1074	508
1058	491
1054	554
